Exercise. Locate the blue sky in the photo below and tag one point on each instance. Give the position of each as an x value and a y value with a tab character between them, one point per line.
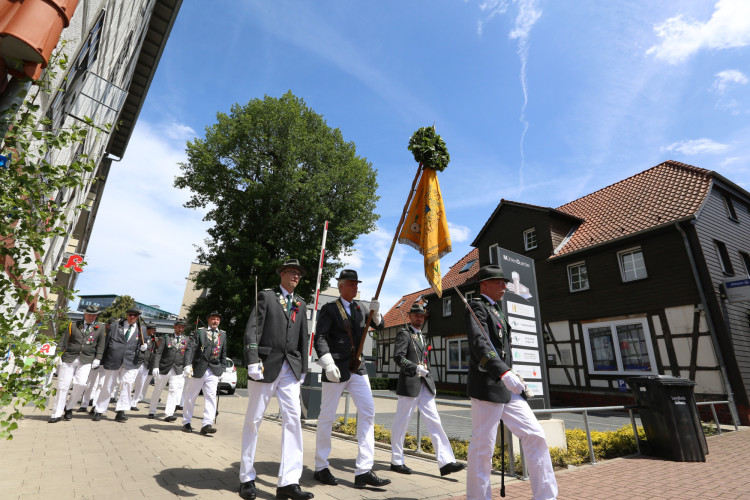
538	101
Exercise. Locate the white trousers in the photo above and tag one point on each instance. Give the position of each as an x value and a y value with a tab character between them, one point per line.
431	418
141	384
183	398
127	378
485	418
287	389
93	386
359	388
176	383
209	383
74	372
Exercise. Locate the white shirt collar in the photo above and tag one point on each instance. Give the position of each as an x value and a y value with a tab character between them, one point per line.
492	302
284	293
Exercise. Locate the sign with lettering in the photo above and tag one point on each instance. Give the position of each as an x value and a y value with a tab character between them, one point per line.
737	290
521	306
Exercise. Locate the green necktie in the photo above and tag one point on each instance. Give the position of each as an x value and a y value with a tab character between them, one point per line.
127	333
289	298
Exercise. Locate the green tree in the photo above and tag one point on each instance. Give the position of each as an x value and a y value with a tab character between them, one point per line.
31	178
116	309
270	174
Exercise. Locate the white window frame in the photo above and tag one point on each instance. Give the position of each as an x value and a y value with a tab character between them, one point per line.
462	343
493	252
745	258
469	296
620	262
530	241
570	276
618	355
447	306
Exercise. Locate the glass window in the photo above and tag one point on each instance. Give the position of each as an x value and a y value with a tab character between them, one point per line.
621	347
529	239
446	306
578	278
729	207
746	261
724	261
469	296
458	355
632	266
467	266
493	253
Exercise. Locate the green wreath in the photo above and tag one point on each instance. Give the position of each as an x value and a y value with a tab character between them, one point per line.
429	149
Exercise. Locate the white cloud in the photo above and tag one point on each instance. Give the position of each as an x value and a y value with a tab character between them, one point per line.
458	233
143	239
696	146
728	27
179	132
725	79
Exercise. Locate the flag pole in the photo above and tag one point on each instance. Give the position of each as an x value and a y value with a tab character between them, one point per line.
388	259
317	289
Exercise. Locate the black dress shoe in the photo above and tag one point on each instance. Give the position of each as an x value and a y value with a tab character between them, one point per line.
170	418
207	429
451	468
121	417
134	408
68	415
97	417
82	409
294	492
113	400
151	415
369	479
178	407
53	420
325	477
92	410
247	490
91	402
187	428
401	469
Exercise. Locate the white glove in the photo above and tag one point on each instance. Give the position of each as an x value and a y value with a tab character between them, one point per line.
254	371
155	373
144	347
375	308
332	371
513	383
188	371
95	364
422	371
58	361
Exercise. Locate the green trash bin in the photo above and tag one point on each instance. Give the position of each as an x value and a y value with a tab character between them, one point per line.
670	417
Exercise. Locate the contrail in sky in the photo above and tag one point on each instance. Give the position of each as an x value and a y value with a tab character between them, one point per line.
528	14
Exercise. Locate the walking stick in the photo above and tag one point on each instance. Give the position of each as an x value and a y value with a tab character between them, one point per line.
502	459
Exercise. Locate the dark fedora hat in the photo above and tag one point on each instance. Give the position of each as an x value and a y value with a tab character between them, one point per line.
294	264
133	310
491	272
180	322
348	274
213	313
92	309
417	309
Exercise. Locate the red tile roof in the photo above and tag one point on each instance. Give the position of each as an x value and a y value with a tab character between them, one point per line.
657	196
397	314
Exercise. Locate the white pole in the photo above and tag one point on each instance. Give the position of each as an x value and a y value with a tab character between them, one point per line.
317	291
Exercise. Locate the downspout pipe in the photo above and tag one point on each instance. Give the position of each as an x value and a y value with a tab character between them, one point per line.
709	321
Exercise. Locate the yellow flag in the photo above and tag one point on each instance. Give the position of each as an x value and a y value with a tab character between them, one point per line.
426	227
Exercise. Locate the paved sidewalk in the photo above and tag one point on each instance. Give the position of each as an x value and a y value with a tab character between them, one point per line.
153	459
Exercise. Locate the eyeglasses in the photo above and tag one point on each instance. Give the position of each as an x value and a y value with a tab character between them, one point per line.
295	274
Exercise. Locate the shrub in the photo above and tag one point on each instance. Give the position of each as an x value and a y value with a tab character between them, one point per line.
241	378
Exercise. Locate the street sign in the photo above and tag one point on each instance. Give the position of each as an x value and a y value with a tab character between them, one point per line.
737	290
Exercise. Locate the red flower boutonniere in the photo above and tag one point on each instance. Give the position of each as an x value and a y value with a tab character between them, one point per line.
426	352
295	308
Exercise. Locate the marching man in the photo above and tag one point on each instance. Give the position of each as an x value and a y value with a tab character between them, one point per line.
126	341
276	342
417	388
341	327
143	379
205	361
169	361
81	348
496	394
